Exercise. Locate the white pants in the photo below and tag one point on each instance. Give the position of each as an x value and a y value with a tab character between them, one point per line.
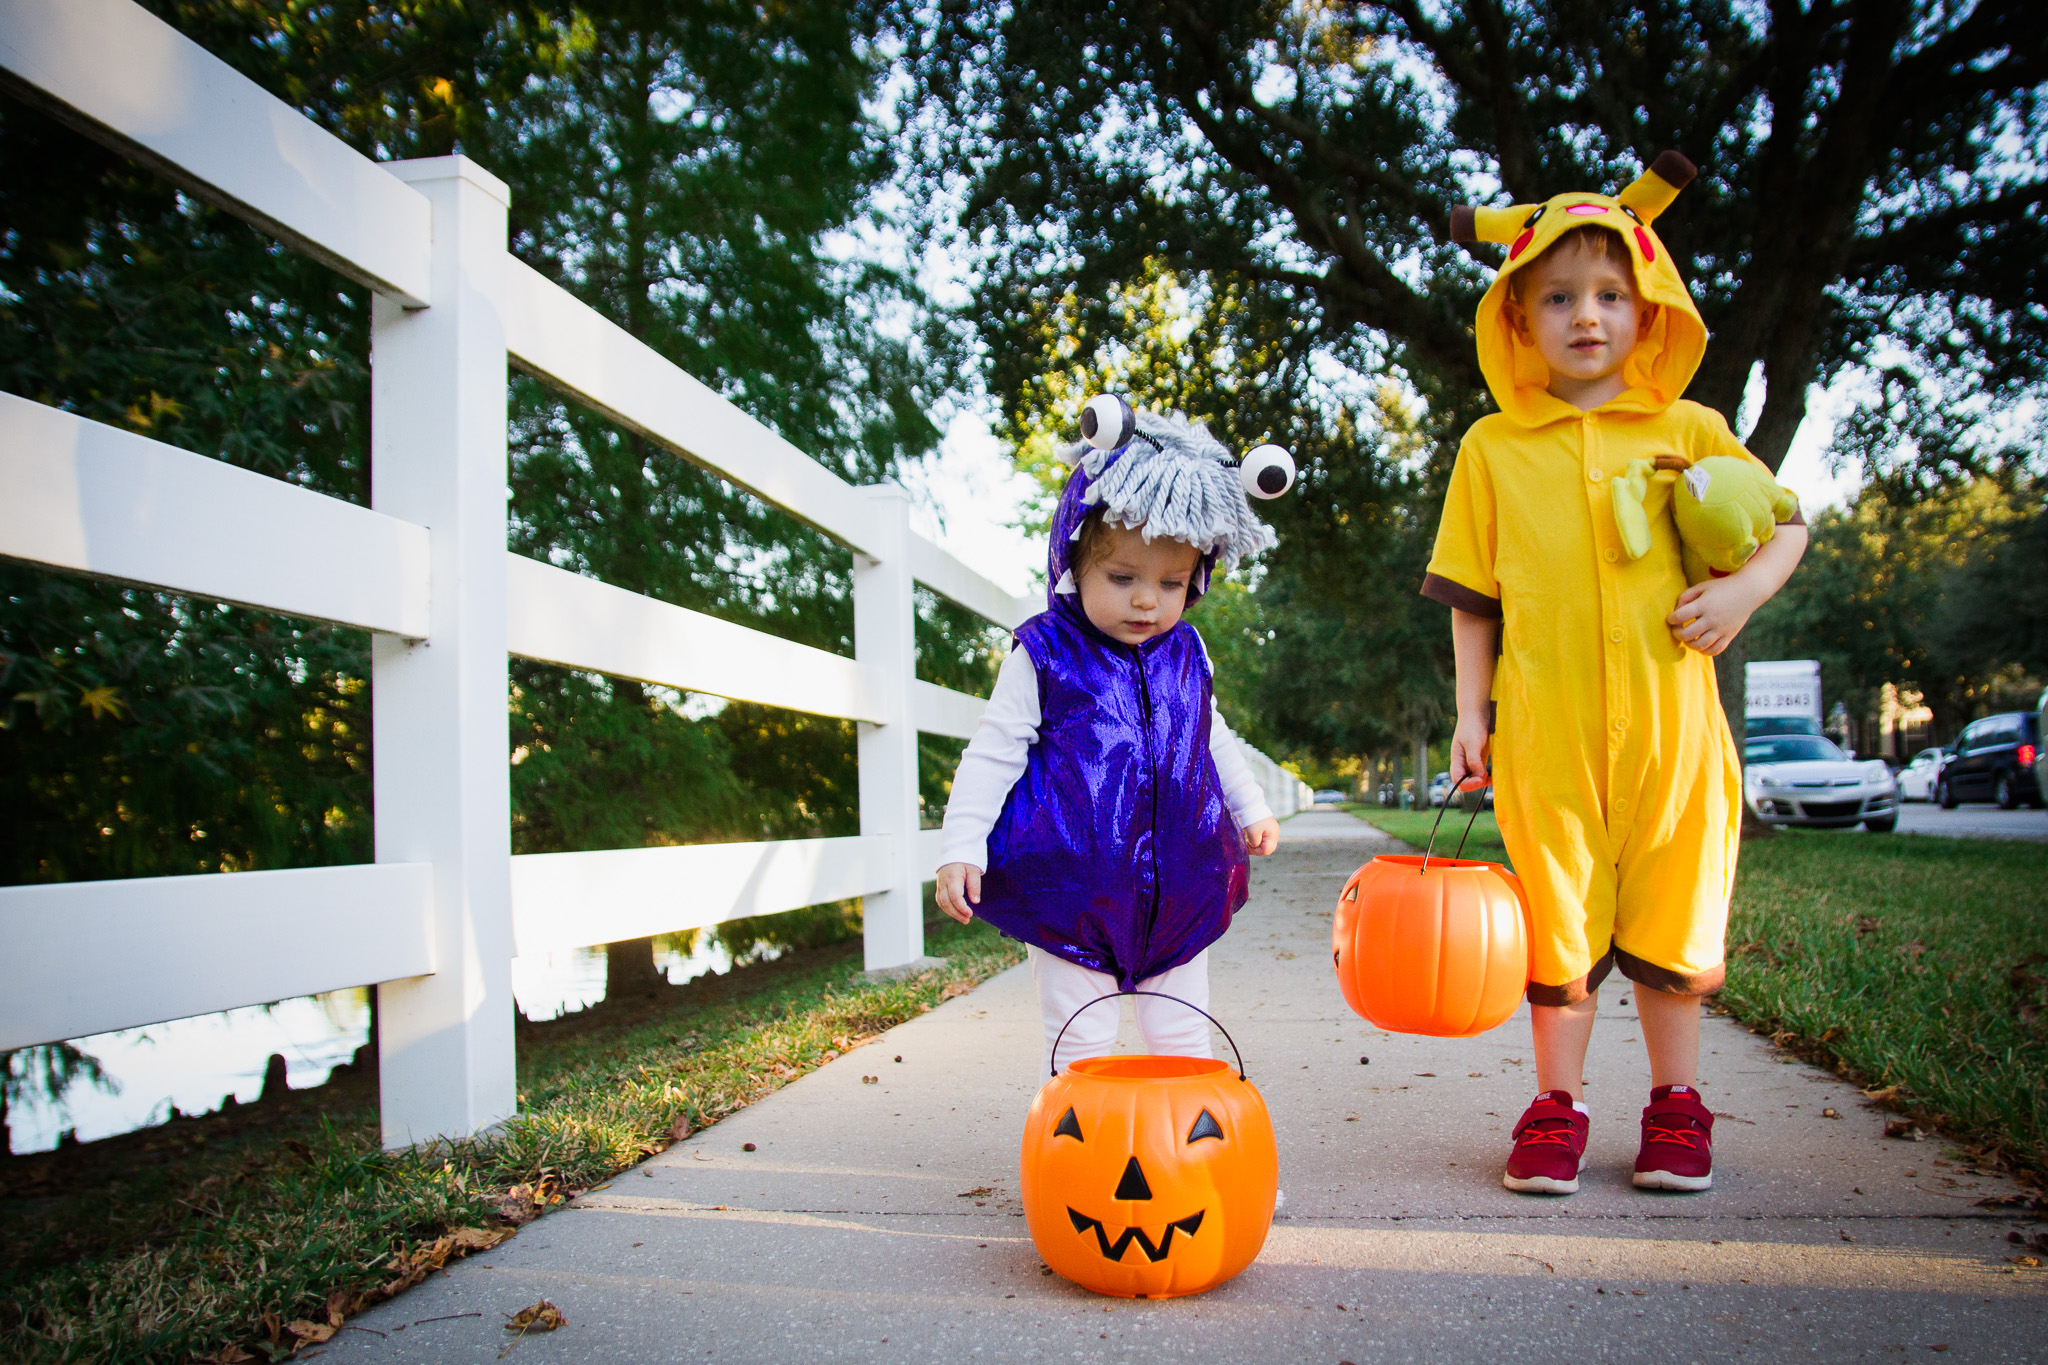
1169	1029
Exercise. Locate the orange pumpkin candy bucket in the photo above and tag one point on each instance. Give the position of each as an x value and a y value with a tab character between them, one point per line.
1431	945
1148	1177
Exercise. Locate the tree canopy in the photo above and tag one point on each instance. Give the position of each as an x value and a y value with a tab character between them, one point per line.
1871	197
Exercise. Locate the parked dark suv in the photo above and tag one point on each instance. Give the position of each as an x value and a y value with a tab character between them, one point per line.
1993	760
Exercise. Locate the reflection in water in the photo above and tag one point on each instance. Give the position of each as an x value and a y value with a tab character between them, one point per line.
189	1065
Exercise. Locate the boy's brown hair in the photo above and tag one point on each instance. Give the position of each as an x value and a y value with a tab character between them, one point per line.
1602	242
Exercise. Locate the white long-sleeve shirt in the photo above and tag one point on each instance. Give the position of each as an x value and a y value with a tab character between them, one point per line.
996	755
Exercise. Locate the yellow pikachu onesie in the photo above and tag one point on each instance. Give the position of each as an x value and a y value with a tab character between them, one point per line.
1617	784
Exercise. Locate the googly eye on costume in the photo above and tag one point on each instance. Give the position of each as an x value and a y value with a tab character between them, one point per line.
1107	422
1267	472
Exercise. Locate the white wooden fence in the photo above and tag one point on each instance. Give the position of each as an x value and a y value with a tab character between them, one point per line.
435	921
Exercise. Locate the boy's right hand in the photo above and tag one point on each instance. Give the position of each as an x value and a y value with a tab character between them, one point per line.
1471	750
959	890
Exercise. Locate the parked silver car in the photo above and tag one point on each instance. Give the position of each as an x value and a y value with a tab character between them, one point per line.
1806	780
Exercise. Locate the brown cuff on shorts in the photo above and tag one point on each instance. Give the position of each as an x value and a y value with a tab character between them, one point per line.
1451	593
1572	992
1665	980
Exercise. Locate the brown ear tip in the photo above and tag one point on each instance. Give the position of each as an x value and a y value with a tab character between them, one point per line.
1674	168
1464	224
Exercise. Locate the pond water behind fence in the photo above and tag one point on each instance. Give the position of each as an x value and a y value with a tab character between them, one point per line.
191	1065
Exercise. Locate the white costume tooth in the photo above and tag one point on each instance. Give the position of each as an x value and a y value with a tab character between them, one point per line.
1066	583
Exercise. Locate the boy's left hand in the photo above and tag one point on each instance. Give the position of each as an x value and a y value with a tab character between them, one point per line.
1261	837
1711	614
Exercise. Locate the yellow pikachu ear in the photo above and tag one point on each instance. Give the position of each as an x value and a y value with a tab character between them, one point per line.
1469	224
1630	490
1653	190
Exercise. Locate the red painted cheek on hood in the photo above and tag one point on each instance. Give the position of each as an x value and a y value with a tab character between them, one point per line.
1643	241
1522	243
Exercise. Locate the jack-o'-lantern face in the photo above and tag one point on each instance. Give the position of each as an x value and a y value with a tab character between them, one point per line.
1148	1177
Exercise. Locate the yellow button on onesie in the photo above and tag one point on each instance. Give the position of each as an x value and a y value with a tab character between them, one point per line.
1617	783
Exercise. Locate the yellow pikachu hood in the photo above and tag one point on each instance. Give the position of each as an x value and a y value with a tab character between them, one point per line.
1665	356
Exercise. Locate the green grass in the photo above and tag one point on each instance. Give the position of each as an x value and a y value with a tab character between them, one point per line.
1900	961
216	1237
1412	827
1913	965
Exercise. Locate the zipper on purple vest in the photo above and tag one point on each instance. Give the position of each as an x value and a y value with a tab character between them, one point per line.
1152	769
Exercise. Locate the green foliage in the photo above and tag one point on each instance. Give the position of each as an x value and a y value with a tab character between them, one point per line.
1928	590
699	173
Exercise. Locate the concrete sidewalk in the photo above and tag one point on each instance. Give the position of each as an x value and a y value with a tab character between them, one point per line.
879	1222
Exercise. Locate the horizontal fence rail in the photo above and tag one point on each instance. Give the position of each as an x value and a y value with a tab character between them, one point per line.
94	499
559	617
435	922
124	77
89	957
574	900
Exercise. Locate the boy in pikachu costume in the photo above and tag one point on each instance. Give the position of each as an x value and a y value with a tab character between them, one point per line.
1618	788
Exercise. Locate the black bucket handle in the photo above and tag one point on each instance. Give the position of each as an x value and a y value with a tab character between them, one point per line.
1118	995
1472	820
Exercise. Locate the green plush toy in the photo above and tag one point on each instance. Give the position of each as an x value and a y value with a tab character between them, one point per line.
1725	507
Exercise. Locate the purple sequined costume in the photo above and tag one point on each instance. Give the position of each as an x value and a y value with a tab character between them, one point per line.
1115	849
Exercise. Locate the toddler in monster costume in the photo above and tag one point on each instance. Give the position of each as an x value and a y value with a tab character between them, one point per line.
1102	812
1585	675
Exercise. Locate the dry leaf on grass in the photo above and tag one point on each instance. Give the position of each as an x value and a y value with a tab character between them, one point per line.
479	1239
227	1355
307	1330
1903	1129
956	988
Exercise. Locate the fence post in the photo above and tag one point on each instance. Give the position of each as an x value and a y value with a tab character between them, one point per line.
437	443
884	638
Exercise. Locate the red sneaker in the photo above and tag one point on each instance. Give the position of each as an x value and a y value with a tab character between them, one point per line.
1678	1141
1550	1146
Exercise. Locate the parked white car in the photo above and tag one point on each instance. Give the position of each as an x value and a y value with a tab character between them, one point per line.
1806	780
1916	779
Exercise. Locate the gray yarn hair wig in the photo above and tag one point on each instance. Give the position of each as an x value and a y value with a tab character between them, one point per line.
1174	479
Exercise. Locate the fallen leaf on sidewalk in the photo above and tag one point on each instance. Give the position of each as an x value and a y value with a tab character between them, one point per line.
1904	1130
978	1192
956	988
306	1330
538	1317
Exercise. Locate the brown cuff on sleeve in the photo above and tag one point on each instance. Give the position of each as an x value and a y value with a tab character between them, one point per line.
1452	594
1798	518
1665	980
1572	992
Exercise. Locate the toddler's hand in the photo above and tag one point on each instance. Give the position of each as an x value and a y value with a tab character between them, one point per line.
1261	837
1711	614
1470	749
959	890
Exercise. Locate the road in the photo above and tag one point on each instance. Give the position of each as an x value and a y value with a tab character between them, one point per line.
1972	822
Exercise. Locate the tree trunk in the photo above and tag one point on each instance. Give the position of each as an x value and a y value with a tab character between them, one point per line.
629	969
1421	769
